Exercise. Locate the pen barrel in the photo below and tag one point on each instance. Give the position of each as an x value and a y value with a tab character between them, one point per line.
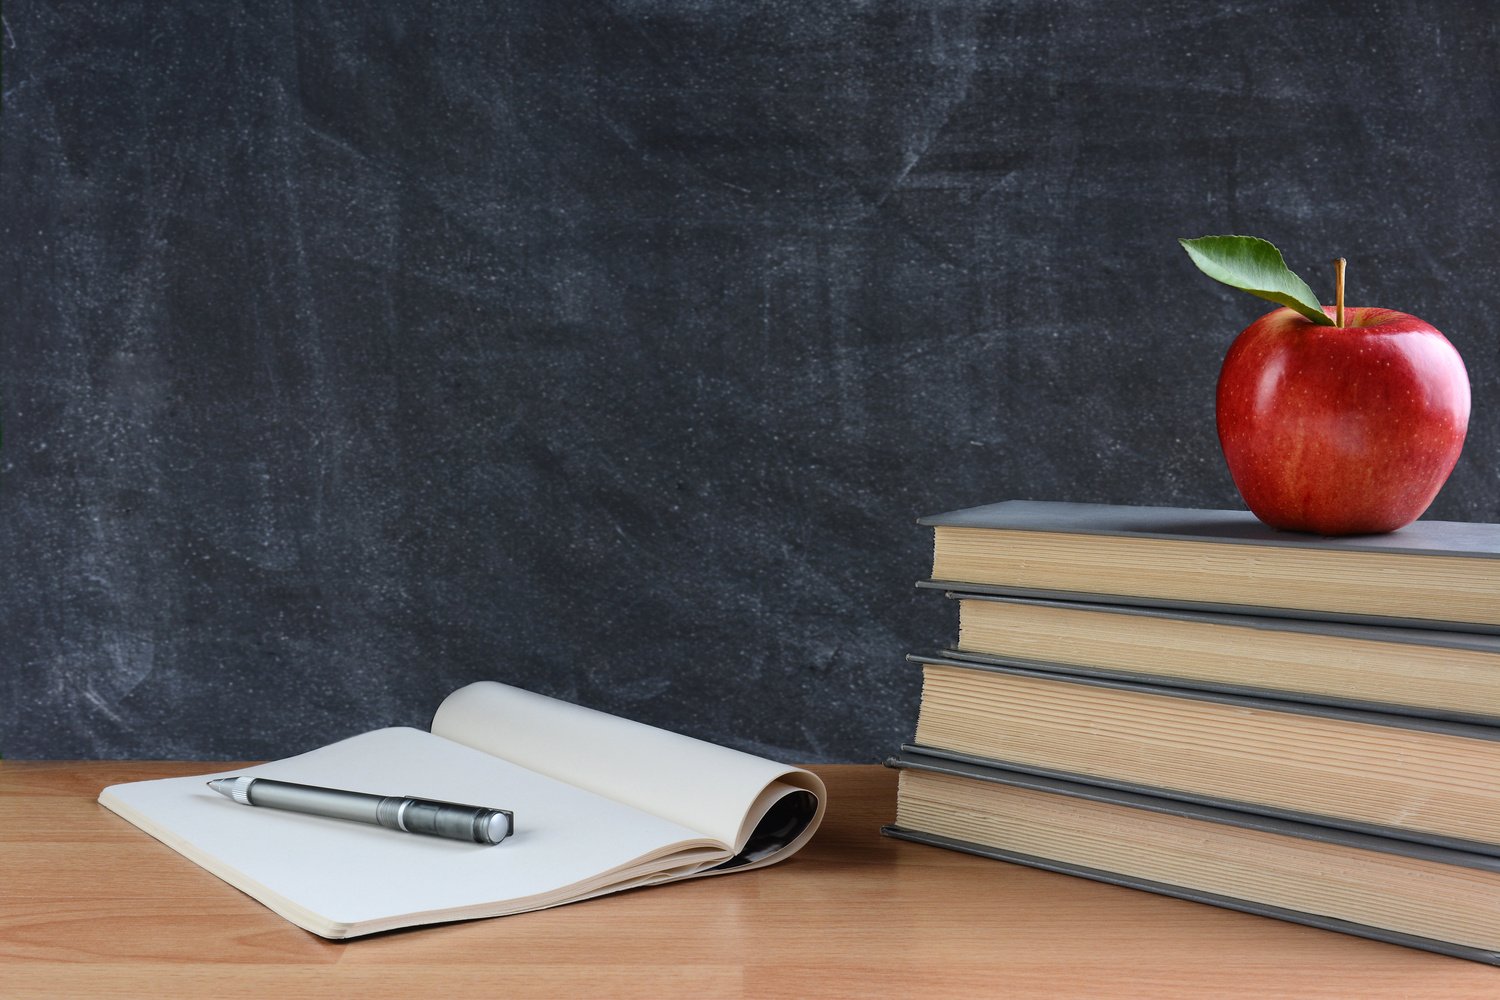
333	802
453	820
475	824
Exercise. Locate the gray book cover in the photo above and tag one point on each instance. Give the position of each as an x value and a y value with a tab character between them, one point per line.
912	758
1477	541
1420	538
1251	624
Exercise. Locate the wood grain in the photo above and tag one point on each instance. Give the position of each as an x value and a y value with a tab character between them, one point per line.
89	906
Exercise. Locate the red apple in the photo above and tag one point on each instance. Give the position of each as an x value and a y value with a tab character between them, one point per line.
1341	430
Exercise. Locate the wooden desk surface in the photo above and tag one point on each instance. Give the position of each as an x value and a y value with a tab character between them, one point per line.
91	906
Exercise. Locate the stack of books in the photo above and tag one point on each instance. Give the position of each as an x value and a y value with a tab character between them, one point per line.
1192	703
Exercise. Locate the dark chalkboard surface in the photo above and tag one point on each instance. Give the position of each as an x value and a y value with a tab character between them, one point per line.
352	352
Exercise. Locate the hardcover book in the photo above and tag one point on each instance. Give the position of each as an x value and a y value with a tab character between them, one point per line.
1410	894
601	804
1438	574
1389	775
1425	672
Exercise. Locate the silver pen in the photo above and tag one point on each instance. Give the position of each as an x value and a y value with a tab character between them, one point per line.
396	812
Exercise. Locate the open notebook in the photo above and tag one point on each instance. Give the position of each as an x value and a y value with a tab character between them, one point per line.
601	804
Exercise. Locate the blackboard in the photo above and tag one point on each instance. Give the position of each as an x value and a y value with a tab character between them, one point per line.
353	352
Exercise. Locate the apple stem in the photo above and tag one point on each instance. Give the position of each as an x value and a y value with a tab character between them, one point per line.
1338	292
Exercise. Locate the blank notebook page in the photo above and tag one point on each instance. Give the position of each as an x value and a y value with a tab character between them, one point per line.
349	872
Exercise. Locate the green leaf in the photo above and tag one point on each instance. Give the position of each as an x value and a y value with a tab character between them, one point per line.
1255	266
